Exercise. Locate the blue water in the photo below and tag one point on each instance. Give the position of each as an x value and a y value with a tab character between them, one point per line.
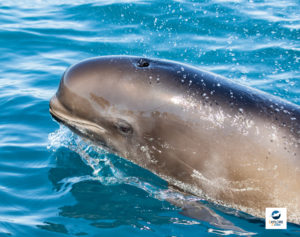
54	184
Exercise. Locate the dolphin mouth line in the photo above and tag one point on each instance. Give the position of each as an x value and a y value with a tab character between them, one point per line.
81	126
77	123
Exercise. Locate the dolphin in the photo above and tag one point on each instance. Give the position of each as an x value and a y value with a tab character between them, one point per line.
204	134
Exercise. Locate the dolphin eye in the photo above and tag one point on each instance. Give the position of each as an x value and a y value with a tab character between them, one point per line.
124	127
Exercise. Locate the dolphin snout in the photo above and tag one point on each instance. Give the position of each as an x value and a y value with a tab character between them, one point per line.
56	109
52	101
54	104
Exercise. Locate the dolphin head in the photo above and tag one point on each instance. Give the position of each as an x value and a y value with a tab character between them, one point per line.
115	101
184	125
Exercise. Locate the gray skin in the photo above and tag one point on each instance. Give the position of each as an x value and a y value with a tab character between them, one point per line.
203	133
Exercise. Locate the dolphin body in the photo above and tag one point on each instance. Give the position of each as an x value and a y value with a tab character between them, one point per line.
204	134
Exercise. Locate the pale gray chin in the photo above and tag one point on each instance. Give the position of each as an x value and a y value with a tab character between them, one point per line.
91	136
85	129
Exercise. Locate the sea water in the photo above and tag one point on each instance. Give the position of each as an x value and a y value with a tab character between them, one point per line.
53	183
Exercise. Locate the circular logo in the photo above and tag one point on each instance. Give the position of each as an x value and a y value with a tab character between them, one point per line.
276	215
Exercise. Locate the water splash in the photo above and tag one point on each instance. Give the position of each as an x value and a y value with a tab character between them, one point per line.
108	174
103	168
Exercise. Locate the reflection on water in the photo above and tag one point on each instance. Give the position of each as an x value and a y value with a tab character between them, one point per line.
109	192
106	206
